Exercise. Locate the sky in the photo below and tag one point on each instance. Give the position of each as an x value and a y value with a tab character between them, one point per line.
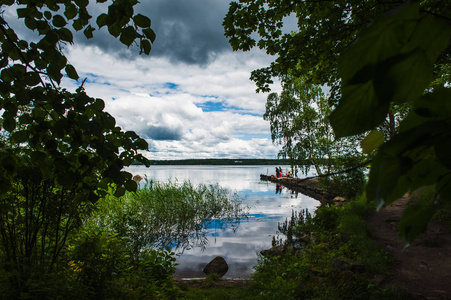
191	97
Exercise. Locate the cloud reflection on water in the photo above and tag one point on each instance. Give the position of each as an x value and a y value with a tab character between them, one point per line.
238	245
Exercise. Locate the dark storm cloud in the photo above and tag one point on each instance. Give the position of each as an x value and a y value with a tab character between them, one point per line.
161	133
187	31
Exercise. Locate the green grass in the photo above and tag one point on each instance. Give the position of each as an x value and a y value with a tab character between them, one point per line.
168	214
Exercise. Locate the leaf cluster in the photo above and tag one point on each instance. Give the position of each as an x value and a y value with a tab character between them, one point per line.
324	29
393	63
63	136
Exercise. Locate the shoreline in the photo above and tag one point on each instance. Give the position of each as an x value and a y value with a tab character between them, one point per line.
308	187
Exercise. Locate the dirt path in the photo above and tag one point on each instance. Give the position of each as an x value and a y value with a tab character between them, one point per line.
424	268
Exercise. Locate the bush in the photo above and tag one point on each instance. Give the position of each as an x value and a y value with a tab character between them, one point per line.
157	265
98	259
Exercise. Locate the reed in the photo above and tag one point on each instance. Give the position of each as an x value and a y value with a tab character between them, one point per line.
172	214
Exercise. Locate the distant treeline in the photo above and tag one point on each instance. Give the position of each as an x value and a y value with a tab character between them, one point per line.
220	161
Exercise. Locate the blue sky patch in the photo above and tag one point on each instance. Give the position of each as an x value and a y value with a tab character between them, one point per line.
171	85
210	106
250	136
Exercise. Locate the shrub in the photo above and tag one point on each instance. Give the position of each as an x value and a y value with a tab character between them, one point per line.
98	259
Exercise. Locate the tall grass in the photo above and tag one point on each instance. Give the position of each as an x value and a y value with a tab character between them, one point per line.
168	214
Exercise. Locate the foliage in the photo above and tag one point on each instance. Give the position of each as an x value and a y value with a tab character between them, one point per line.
401	50
299	122
324	29
97	260
59	150
298	119
101	263
158	214
348	184
123	249
379	58
157	265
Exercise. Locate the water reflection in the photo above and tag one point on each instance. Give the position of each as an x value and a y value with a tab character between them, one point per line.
268	205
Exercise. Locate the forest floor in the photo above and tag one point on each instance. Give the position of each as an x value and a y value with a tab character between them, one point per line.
424	268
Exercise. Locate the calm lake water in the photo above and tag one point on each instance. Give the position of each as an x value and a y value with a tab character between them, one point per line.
239	247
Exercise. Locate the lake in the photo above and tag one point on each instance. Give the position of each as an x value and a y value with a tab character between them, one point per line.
239	246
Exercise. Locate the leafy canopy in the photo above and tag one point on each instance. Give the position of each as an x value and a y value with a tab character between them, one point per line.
324	29
62	135
401	50
375	55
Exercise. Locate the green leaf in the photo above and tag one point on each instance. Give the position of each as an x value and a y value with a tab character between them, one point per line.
414	220
392	61
150	34
9	122
77	24
82	3
145	46
128	35
47	15
71	72
407	162
31	23
114	30
88	32
71	11
59	21
372	141
32	78
120	191
66	35
142	144
52	6
22	12
359	110
99	104
408	78
101	20
54	72
20	136
141	21
131	186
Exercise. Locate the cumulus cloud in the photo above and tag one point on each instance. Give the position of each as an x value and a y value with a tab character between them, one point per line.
192	97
